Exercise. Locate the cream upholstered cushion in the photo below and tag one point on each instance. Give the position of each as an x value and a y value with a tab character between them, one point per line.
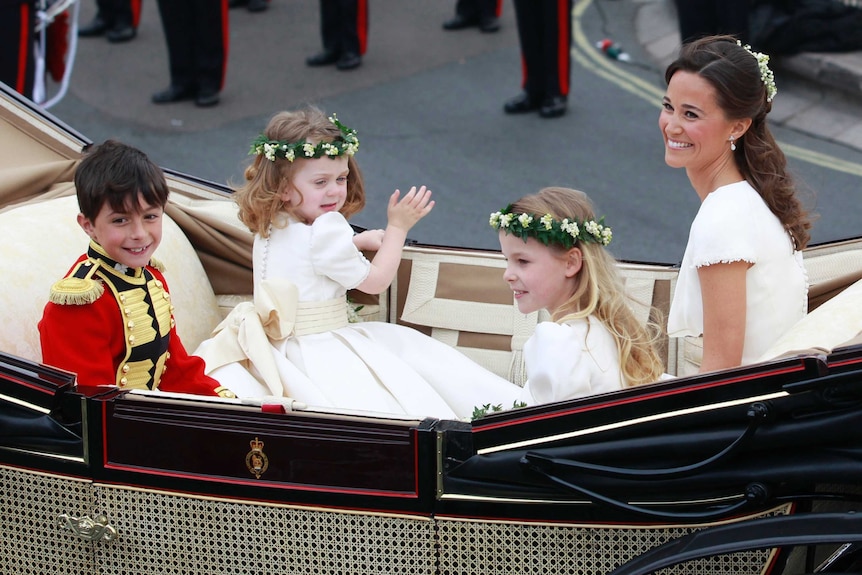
460	298
40	242
827	327
836	320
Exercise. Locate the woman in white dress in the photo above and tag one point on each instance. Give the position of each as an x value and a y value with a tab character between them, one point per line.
295	339
556	260
742	282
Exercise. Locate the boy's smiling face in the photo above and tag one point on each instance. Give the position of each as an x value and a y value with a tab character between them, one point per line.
130	236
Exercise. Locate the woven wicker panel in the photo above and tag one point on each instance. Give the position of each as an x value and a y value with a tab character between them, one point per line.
33	540
529	548
162	533
169	534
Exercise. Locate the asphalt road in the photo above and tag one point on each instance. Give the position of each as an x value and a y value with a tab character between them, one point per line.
428	108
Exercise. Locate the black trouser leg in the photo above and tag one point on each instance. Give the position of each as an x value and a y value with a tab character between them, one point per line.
545	33
17	60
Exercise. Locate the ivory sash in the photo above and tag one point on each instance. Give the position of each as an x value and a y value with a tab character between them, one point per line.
250	330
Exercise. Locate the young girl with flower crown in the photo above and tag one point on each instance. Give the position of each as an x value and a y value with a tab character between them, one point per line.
556	260
295	340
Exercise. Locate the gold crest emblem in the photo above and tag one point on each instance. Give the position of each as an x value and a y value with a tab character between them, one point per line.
256	460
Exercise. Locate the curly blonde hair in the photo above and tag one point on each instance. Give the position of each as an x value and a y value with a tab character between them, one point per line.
259	198
600	290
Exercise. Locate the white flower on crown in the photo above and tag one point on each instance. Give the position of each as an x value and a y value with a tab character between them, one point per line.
347	144
607	236
570	228
549	230
766	75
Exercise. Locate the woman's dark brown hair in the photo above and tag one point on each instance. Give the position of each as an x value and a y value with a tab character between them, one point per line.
735	75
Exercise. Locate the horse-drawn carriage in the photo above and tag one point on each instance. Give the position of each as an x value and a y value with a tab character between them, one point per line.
749	470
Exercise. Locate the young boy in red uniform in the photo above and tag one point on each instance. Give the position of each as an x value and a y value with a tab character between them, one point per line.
110	320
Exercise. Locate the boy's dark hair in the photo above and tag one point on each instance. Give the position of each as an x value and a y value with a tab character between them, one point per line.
117	173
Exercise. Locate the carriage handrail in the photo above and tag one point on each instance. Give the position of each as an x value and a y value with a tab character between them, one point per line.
757	413
763	533
755	494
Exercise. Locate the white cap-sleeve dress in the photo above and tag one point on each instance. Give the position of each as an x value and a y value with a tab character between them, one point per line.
735	224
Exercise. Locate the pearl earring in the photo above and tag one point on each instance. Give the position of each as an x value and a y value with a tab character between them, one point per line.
732	145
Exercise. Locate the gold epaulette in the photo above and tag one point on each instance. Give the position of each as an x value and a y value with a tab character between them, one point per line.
157	264
79	287
76	291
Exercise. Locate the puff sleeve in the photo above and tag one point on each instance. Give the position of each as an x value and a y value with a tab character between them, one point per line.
570	360
333	253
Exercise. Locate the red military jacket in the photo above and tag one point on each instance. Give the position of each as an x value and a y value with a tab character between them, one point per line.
113	325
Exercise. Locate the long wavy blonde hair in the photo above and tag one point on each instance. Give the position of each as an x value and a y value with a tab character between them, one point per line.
259	198
599	289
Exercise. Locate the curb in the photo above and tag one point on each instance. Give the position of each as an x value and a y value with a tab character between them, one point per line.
658	33
841	71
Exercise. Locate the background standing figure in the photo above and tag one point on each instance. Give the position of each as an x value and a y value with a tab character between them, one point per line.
699	18
117	20
482	13
545	33
344	29
250	5
17	25
742	282
196	32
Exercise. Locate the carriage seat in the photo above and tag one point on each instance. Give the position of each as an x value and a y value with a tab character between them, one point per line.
456	296
833	324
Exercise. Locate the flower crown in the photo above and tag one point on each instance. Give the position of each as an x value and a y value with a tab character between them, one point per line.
548	230
346	144
765	73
